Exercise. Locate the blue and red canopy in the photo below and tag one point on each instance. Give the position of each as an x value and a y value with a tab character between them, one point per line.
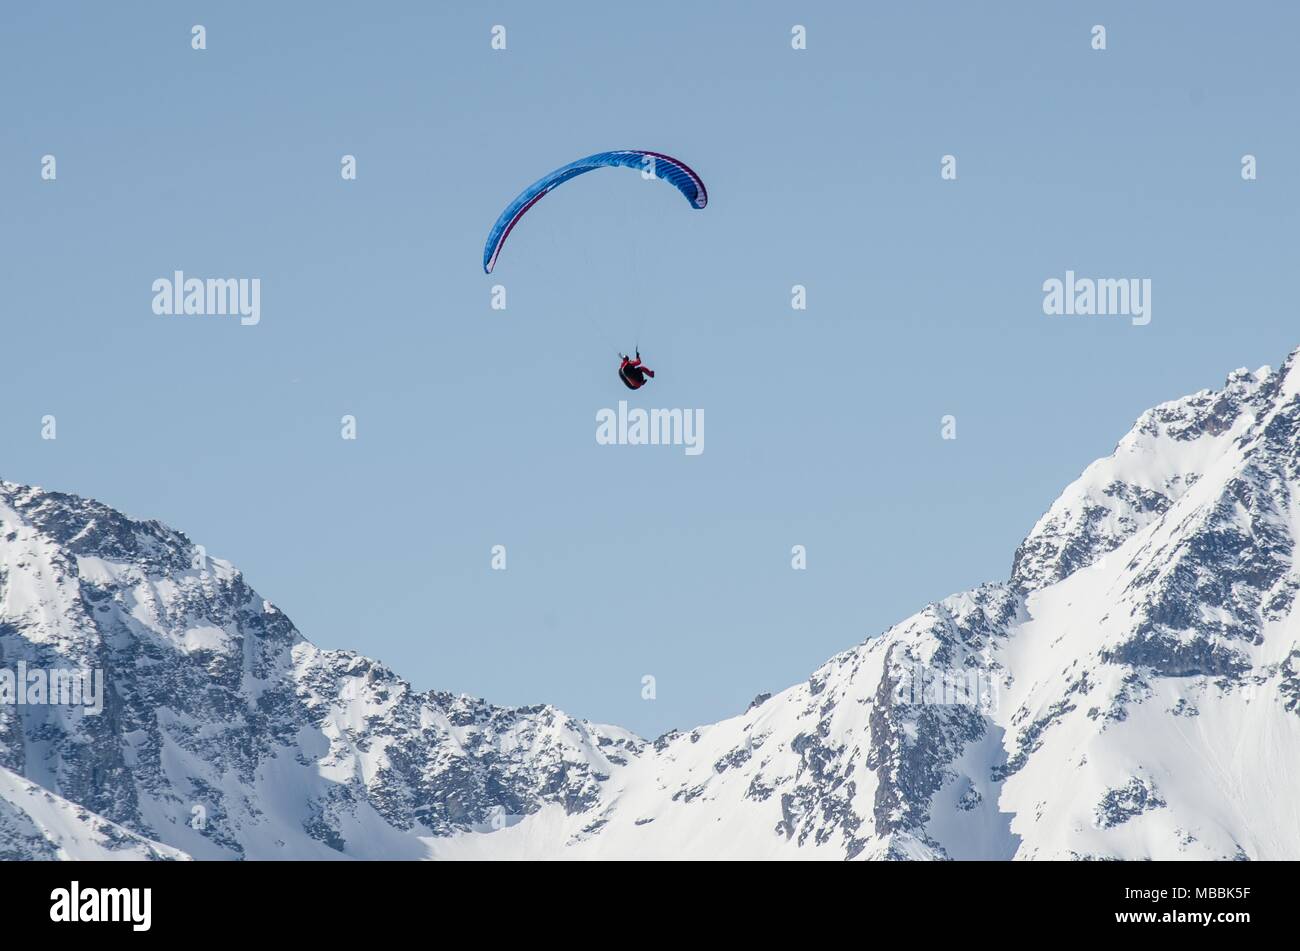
673	171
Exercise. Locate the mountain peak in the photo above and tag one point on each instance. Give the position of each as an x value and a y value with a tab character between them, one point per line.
1169	448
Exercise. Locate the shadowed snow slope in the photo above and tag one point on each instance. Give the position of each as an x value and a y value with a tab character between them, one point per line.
37	824
1137	695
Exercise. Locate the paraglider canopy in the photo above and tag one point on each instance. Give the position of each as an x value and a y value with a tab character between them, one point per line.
673	171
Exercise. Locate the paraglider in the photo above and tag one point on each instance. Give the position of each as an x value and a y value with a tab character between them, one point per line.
633	373
651	164
673	171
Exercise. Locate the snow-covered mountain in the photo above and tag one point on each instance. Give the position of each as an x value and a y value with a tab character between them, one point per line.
1136	694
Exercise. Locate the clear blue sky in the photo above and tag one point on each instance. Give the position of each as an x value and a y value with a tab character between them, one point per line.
477	427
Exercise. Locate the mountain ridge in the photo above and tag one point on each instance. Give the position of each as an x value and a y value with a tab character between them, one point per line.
1145	645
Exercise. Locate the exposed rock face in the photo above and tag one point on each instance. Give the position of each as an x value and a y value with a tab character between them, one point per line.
1131	691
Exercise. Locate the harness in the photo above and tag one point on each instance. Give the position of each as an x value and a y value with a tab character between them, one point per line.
632	377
